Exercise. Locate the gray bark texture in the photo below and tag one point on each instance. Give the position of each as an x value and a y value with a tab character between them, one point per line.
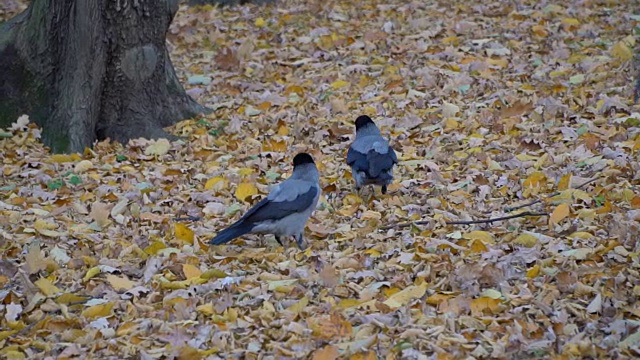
86	70
229	2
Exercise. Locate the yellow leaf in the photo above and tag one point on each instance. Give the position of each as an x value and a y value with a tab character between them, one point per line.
339	84
405	296
484	304
154	247
246	190
213	182
478	246
581	235
534	182
621	50
436	299
214	273
557	73
126	328
97	311
120	283
260	22
245	171
206	309
6	334
91	273
190	271
283	130
373	252
539	30
526	240
68	298
571	21
501	63
483	236
348	303
533	272
184	234
450	124
61	158
559	213
564	182
14	354
175	285
47	287
299	306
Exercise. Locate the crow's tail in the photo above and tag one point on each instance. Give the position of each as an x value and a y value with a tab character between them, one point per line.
230	233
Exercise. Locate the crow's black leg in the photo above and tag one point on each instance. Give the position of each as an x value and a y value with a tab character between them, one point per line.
300	241
279	241
384	189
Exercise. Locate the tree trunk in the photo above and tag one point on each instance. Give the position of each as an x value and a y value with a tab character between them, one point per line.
89	69
229	2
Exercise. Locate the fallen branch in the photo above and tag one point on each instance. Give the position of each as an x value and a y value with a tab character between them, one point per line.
513	208
467	222
488	221
187	218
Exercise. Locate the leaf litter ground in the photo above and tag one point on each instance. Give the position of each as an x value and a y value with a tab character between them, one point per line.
490	106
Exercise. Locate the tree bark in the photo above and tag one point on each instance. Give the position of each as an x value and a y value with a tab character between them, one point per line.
229	2
85	70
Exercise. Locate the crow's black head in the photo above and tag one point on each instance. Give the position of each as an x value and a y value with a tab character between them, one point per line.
362	121
301	159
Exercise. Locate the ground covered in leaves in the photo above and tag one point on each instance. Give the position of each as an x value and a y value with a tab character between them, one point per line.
490	108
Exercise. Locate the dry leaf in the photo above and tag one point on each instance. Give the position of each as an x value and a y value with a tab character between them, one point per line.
559	214
328	352
158	148
245	190
405	296
100	213
120	283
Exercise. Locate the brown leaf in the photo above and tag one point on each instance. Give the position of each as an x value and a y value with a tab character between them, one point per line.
334	326
100	213
329	276
34	258
226	59
328	352
517	109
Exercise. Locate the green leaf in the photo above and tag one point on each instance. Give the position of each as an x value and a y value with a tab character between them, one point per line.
632	122
75	180
10	187
121	158
582	130
599	200
55	184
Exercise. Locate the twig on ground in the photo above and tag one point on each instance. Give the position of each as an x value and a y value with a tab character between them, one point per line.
467	222
187	218
517	207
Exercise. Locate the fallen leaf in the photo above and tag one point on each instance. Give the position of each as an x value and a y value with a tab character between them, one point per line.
328	352
245	190
405	296
158	148
120	283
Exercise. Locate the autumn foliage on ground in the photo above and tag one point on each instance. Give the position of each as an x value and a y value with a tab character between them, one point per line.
494	109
